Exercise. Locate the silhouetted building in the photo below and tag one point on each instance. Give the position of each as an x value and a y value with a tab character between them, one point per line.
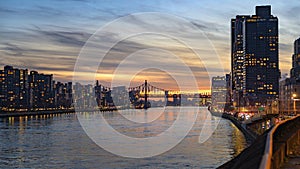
98	93
14	88
20	91
120	97
289	94
41	91
63	95
295	71
78	95
228	87
2	90
103	96
254	60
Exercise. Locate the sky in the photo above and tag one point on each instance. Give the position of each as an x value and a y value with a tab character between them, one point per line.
50	35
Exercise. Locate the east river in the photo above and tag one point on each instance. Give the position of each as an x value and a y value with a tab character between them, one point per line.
62	141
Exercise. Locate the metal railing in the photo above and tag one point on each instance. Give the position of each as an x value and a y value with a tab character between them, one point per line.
276	159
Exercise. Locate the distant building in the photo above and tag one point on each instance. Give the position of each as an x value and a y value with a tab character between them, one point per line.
63	95
228	104
41	91
254	57
78	95
218	92
289	95
2	90
14	89
120	97
20	91
228	87
295	71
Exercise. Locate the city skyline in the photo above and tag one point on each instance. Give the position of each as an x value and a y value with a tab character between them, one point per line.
48	37
149	84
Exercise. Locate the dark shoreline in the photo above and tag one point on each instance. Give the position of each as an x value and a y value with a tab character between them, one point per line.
250	136
34	113
46	112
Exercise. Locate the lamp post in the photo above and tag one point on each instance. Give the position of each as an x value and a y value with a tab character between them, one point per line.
294	102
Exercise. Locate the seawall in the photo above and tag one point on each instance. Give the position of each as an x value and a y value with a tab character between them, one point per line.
250	136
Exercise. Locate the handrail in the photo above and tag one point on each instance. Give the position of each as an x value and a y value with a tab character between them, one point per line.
267	157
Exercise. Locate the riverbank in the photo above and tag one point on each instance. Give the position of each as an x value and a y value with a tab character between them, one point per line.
251	156
33	113
249	135
48	112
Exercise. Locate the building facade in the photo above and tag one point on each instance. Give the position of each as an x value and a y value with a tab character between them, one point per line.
289	95
254	59
295	71
41	91
20	91
63	95
218	92
13	89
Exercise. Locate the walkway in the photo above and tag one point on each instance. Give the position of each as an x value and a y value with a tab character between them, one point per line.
293	161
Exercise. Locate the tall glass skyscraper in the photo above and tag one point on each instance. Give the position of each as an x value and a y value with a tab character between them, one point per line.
254	57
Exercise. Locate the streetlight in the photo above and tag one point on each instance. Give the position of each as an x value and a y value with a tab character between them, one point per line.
294	99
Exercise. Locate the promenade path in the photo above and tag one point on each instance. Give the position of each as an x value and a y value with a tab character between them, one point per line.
293	160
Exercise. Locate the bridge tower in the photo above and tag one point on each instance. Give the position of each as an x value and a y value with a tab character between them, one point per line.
146	95
167	97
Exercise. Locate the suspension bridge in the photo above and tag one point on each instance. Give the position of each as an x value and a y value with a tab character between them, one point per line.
142	95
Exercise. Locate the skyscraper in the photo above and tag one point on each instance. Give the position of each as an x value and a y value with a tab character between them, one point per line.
254	57
295	71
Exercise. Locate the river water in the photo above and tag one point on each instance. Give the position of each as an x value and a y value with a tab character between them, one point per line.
59	141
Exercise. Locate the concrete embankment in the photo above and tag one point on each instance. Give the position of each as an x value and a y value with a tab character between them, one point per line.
250	136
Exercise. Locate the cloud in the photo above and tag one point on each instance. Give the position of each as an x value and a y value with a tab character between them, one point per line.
9	11
48	36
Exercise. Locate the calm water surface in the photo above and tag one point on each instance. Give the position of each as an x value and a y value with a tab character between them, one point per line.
58	141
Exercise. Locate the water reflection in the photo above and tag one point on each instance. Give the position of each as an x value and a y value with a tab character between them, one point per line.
58	141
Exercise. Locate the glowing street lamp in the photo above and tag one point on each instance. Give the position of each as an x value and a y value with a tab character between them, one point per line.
294	99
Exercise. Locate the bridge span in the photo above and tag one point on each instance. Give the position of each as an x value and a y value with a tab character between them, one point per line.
141	95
